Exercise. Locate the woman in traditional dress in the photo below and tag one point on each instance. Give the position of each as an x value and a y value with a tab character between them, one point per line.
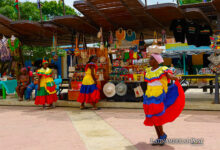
162	104
23	82
89	92
46	93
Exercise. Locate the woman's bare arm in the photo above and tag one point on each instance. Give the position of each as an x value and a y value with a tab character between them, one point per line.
93	74
172	77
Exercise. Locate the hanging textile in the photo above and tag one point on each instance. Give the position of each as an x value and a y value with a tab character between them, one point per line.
130	35
13	45
120	35
4	51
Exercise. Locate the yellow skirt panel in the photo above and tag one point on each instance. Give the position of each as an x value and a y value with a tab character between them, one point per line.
154	91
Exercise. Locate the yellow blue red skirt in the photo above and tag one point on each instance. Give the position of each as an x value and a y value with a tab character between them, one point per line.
165	107
89	94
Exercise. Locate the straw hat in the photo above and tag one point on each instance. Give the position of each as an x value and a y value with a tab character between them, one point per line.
121	89
109	89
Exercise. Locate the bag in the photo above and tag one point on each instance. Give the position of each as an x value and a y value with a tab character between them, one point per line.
142	46
155	42
70	75
77	52
102	46
111	39
101	77
138	92
72	69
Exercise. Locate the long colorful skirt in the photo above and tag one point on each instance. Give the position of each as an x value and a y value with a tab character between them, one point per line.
89	94
43	97
164	108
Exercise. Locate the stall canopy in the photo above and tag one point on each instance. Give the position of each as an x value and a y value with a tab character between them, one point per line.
110	15
179	48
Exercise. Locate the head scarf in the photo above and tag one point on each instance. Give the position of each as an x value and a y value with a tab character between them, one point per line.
158	58
44	62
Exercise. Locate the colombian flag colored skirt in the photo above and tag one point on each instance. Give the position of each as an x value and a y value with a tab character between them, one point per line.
43	97
89	94
164	108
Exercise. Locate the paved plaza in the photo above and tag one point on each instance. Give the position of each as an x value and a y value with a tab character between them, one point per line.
30	128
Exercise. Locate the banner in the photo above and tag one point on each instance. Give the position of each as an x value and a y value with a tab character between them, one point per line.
16	6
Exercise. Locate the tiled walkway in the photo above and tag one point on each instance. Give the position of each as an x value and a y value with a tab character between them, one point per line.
29	128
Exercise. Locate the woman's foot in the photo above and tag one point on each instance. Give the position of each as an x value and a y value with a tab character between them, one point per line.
44	107
160	141
20	99
163	139
51	106
82	107
95	108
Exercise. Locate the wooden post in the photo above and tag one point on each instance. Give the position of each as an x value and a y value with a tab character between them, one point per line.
145	3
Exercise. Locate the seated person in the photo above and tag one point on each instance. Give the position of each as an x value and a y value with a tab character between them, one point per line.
23	82
30	88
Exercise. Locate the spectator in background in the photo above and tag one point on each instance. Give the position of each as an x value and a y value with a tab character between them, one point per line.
172	68
23	82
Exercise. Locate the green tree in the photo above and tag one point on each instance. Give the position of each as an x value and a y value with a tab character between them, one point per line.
193	1
30	10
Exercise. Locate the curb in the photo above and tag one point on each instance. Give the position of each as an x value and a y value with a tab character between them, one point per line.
189	105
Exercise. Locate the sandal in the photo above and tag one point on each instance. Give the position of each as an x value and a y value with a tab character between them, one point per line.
82	107
96	108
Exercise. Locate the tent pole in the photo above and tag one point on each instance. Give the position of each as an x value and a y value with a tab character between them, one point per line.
184	63
216	89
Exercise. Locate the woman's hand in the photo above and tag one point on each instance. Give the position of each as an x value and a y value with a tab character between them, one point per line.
179	78
172	77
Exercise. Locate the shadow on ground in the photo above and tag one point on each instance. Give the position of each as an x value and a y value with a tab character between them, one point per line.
146	146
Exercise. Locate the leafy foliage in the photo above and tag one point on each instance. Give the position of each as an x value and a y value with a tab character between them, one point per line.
29	10
193	1
33	53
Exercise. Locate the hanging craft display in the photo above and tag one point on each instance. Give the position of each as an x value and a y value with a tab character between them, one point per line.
4	51
130	35
215	58
164	37
120	35
77	52
13	45
215	43
142	46
155	42
111	38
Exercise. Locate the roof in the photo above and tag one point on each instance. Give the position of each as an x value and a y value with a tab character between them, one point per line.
110	15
